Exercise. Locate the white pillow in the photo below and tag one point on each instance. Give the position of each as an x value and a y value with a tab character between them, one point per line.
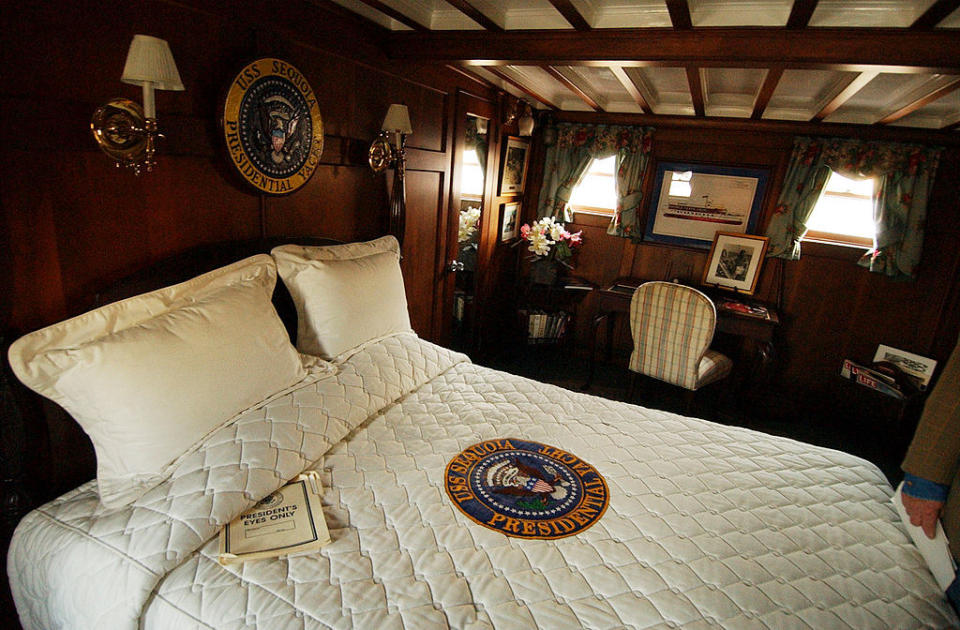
346	295
148	377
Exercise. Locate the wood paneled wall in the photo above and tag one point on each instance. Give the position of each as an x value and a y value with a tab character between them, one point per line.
72	223
832	308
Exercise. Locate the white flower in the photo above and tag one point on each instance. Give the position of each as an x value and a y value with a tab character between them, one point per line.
539	244
556	229
468	223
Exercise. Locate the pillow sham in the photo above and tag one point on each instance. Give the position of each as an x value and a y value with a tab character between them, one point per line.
148	377
346	295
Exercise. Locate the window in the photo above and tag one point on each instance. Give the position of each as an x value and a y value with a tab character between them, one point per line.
597	191
471	185
844	213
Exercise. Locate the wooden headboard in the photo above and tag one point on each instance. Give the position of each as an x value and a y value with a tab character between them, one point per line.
43	451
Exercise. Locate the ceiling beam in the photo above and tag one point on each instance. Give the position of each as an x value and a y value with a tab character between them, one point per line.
766	92
508	79
845	94
396	15
573	87
696	90
935	14
630	86
473	76
476	15
679	14
926	99
889	50
786	127
800	13
571	14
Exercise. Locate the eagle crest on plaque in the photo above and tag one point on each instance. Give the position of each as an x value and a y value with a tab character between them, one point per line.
272	126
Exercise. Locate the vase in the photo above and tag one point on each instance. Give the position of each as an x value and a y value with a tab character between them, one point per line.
543	271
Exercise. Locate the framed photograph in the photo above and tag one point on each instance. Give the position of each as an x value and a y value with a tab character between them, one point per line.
734	261
913	364
692	202
513	176
510	223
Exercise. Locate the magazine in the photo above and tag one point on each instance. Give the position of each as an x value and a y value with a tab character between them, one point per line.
742	308
284	522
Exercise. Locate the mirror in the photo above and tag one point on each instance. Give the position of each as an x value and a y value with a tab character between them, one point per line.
472	183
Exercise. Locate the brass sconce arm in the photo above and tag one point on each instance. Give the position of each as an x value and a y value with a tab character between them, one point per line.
123	133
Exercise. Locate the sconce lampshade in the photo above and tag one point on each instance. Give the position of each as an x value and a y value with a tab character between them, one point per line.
398	120
526	123
150	60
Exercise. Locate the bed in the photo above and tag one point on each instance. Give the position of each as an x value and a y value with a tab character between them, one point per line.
706	525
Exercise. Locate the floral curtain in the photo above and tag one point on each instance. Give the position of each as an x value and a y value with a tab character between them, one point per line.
568	159
904	174
802	185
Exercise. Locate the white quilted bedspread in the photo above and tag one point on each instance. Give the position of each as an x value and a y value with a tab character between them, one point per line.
707	526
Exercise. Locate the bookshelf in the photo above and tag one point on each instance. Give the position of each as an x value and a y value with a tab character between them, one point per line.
547	314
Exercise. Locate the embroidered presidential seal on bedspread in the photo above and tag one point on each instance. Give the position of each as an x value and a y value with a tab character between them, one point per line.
526	489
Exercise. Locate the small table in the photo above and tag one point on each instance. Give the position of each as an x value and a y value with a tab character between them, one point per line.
615	300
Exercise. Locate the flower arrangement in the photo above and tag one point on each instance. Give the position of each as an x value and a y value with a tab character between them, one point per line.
468	223
551	241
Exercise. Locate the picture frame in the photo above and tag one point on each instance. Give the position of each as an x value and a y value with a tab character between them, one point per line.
735	261
509	221
915	365
691	202
516	158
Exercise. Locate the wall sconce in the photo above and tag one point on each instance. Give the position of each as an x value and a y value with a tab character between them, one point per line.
384	154
125	131
526	122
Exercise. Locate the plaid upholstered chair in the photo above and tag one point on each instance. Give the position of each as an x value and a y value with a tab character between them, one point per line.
672	328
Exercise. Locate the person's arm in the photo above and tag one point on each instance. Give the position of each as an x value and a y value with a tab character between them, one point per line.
923	501
933	458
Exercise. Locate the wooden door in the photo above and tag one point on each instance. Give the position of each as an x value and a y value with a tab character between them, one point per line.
475	147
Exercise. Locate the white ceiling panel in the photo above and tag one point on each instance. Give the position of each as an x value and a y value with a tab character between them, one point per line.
739	12
951	21
373	15
868	13
731	91
886	93
540	82
451	19
801	94
667	88
521	14
606	89
940	113
624	13
492	78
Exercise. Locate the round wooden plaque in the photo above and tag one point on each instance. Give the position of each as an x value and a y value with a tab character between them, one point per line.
272	126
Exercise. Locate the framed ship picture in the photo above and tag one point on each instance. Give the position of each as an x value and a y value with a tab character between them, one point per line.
692	202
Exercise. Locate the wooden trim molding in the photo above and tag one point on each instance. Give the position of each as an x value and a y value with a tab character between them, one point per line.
845	49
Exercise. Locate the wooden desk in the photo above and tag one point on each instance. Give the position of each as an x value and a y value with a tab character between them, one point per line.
615	300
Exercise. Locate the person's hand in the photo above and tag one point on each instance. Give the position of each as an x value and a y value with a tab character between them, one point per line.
923	513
